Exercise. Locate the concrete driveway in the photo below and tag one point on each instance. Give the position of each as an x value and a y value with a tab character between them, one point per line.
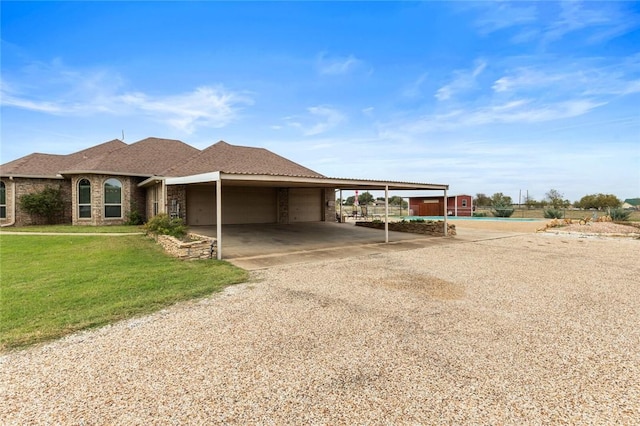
264	245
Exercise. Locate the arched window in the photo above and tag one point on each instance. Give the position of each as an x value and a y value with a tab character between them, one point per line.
112	199
3	201
84	199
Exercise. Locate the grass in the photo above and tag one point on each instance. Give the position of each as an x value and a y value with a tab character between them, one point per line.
52	286
116	229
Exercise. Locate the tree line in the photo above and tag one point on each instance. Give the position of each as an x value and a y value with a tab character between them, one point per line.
552	199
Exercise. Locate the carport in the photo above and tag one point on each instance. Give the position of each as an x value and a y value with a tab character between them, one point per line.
227	181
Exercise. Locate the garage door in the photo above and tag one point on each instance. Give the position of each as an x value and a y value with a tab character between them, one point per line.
305	205
249	205
201	205
239	205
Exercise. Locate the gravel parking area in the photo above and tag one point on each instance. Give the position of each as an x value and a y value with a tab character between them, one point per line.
529	329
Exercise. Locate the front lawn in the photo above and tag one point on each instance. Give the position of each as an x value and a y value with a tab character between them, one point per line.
114	229
52	286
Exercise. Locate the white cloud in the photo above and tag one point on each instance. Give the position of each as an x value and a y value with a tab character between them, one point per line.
85	92
414	90
329	119
463	80
337	65
205	106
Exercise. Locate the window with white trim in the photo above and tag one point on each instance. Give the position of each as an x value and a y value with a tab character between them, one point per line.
464	202
112	199
84	199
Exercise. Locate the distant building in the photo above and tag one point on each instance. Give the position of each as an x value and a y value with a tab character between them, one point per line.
631	204
457	205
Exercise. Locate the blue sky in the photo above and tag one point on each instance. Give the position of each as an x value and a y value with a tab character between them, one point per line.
485	96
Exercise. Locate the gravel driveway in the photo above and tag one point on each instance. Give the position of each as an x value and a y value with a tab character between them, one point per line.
531	329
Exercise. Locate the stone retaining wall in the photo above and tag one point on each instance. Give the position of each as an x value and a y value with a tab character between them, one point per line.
198	248
426	228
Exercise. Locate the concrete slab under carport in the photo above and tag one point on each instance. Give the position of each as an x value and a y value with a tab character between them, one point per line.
258	246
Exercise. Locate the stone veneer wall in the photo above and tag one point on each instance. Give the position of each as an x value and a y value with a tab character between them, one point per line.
178	193
25	186
329	205
283	205
198	248
427	228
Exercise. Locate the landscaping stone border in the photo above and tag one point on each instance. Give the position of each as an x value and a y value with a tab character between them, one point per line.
427	228
198	246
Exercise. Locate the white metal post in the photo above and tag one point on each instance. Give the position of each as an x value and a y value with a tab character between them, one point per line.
219	217
386	213
446	201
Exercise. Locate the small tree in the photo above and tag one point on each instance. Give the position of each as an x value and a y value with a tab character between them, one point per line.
556	199
47	204
482	200
365	198
501	205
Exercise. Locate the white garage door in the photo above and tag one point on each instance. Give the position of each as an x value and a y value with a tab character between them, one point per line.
249	205
201	205
305	205
239	205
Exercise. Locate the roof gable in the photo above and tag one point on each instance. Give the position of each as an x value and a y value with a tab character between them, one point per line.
38	164
227	158
147	157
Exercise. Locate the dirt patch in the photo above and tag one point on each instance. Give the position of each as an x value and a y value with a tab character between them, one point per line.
424	285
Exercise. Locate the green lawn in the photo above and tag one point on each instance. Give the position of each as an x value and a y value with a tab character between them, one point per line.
54	285
116	229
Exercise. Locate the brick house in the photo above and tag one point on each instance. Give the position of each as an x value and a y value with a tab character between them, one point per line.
222	184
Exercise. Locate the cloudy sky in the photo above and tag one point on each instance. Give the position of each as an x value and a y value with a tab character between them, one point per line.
485	96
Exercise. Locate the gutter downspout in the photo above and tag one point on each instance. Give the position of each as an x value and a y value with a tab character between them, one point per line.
13	203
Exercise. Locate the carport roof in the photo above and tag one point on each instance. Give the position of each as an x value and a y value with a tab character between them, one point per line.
247	179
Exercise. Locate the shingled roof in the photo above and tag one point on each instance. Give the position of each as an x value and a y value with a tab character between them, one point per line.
50	165
147	157
226	158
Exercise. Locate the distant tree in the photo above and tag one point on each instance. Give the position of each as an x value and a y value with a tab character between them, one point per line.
365	198
397	200
598	201
530	202
501	205
349	201
500	198
482	200
556	199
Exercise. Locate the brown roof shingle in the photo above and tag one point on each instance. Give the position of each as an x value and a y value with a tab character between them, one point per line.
147	157
38	164
223	157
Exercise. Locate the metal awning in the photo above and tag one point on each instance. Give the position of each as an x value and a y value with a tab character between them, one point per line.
239	179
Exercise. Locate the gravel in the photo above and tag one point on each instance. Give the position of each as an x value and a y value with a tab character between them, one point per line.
533	329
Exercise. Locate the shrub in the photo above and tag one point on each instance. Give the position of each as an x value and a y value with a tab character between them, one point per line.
553	213
480	214
134	218
47	203
502	210
619	214
417	221
164	225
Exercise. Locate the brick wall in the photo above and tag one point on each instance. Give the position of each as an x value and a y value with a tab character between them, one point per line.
177	195
25	186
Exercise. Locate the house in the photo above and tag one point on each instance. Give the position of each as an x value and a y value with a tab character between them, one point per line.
457	205
222	184
631	204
